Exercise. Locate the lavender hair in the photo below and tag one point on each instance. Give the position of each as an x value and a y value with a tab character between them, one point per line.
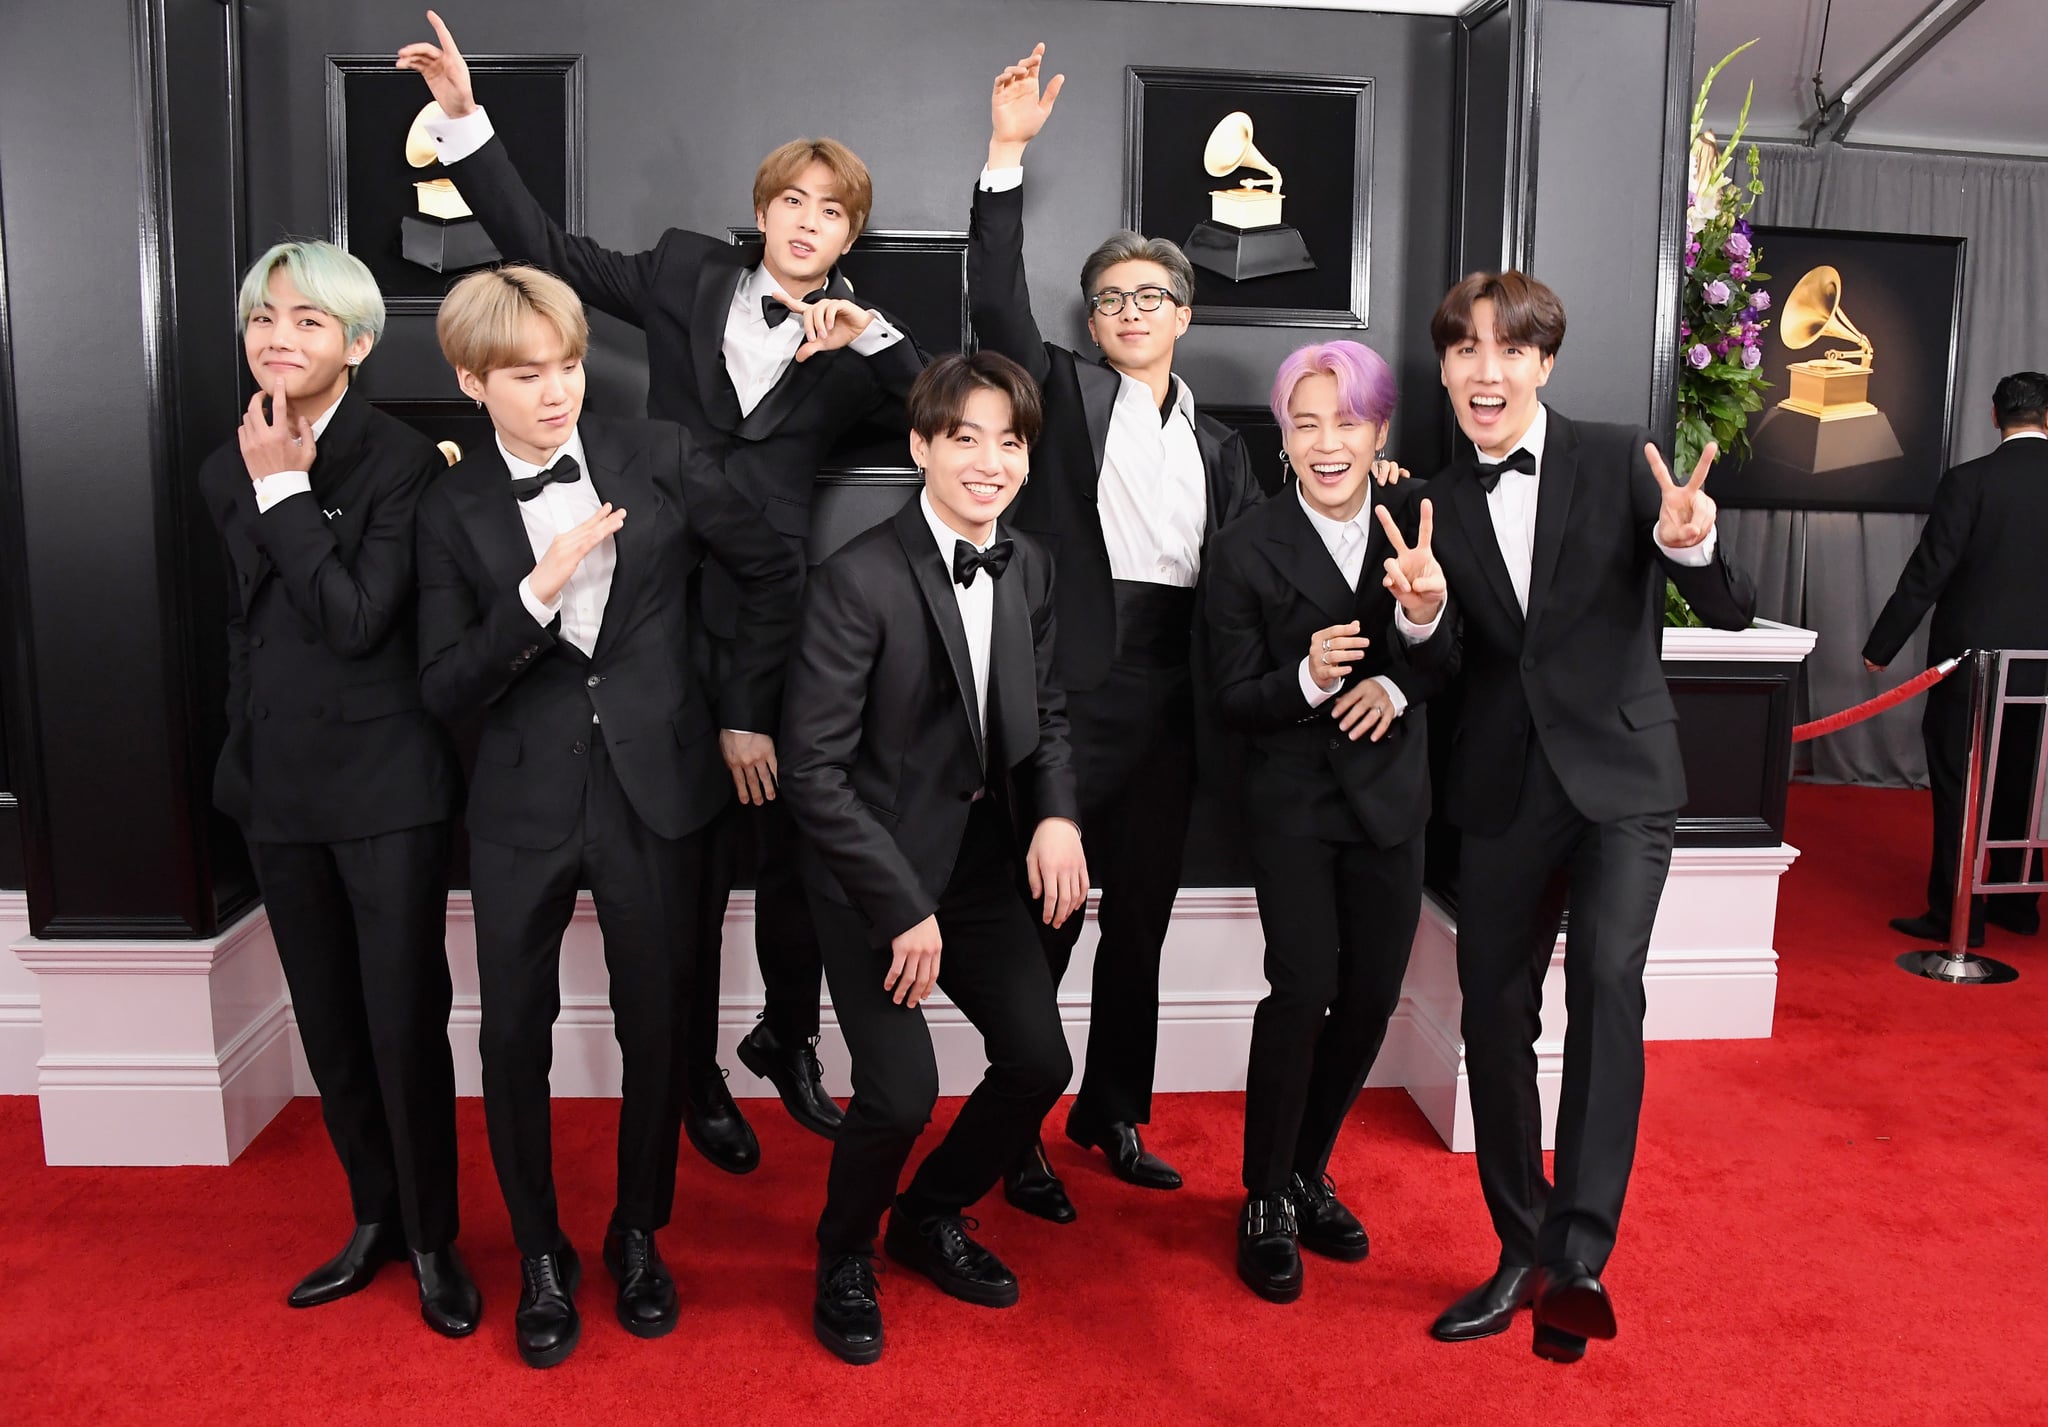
1365	383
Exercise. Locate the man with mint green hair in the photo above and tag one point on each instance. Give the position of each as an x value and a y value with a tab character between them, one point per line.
344	786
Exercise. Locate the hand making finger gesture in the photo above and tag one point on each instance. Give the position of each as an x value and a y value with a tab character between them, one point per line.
1413	574
278	442
829	323
444	69
1332	652
1687	515
1018	109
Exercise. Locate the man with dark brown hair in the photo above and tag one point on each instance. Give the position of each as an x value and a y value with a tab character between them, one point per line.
1565	779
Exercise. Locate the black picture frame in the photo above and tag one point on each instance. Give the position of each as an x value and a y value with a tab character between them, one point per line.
1316	128
536	104
1904	292
1262	441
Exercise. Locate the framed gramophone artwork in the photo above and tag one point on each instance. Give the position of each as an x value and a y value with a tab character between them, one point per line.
1860	352
1265	180
388	200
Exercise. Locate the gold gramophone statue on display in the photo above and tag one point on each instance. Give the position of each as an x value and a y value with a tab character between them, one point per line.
1243	236
443	235
1827	423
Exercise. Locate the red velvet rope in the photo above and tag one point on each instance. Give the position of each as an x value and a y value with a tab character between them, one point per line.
1870	708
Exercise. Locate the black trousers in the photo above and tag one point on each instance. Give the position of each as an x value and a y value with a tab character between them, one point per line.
1513	889
1339	919
1134	764
360	929
646	891
992	969
785	942
1945	728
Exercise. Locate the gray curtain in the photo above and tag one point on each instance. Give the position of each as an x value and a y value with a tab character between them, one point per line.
1830	571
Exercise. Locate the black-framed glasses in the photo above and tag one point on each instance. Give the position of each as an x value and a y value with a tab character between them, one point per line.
1110	300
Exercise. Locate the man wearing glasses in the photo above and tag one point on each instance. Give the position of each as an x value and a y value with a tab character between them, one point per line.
1129	481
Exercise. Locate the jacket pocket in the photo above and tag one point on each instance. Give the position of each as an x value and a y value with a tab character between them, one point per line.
499	745
368	701
1646	710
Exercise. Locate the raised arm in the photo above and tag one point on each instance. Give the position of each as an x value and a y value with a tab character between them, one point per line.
998	297
1931	566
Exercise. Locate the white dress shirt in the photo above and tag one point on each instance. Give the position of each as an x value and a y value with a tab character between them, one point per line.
1346	541
277	485
756	355
581	601
2025	436
977	604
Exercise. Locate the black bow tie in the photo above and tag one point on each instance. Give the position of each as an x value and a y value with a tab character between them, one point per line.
774	313
1522	460
565	471
967	559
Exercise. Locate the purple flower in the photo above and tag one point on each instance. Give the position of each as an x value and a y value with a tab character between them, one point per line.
1698	356
1748	314
1737	245
1715	293
1692	261
1693	247
1742	227
1752	356
1721	348
1738	271
1685	329
1761	301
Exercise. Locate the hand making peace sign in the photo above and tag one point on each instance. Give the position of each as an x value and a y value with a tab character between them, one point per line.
1412	571
1687	515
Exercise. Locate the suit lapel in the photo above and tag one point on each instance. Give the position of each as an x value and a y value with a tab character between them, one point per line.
935	583
1475	524
490	513
1012	668
1299	554
337	452
1099	386
1213	482
717	280
1554	484
617	478
785	397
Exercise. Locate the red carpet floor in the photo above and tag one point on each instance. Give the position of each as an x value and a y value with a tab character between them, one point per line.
1841	1224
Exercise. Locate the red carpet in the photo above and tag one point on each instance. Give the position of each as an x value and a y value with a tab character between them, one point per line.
1838	1225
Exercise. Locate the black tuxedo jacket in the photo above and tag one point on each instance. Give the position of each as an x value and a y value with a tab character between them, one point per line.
482	653
882	747
1582	672
1270	585
1057	506
327	738
1979	563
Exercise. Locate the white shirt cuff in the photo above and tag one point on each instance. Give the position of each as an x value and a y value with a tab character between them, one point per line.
1394	694
456	139
878	337
275	487
543	614
1700	554
1416	633
1002	180
1315	693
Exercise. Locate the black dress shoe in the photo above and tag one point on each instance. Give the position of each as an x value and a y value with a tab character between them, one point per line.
1487	1309
847	1314
1129	1160
647	1293
448	1298
1326	1226
937	1246
1572	1303
2020	921
797	1077
1268	1258
712	1120
1031	1185
1557	1345
547	1320
369	1248
1925	928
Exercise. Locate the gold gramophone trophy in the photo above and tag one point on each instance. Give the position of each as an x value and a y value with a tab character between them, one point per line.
1827	423
443	235
1243	236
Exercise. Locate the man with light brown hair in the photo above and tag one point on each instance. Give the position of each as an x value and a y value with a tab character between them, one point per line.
766	396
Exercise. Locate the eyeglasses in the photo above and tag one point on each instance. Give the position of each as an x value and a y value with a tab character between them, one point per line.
1110	300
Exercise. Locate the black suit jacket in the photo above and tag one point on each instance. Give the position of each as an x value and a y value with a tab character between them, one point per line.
1582	672
1057	507
482	653
882	746
327	737
1270	585
1979	563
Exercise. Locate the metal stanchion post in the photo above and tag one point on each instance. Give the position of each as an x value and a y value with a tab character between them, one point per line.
1956	965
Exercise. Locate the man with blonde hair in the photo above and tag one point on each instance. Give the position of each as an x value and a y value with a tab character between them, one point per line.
768	361
554	596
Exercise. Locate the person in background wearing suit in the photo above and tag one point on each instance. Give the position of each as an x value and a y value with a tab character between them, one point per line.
1131	481
1337	787
559	623
343	784
1979	565
1565	780
928	767
767	361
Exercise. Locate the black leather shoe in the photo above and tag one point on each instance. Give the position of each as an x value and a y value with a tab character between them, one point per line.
1325	1225
449	1301
1129	1160
1570	1303
1268	1258
847	1313
1031	1185
1487	1309
938	1248
712	1120
647	1293
1925	928
797	1077
1557	1345
547	1320
369	1248
2020	921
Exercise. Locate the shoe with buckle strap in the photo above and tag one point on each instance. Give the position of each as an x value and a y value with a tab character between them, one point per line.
1327	1227
1268	1251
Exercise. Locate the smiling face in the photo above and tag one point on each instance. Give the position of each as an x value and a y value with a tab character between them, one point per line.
534	402
1135	341
288	339
1330	449
806	229
1493	381
974	471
